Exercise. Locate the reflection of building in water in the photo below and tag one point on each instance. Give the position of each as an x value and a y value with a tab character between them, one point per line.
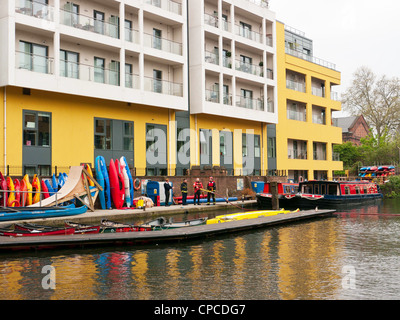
75	272
239	267
139	271
195	272
173	274
306	266
11	280
217	265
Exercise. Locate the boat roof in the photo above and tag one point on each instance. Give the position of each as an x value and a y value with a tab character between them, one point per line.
334	182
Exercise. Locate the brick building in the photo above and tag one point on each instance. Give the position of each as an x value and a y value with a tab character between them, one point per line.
353	128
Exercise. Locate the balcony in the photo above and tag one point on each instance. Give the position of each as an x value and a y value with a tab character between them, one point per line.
310	58
211	20
35	9
297	154
132	81
34	62
212	96
295	85
163	87
132	35
247	33
162	44
167	5
249	68
211	57
249	103
90	24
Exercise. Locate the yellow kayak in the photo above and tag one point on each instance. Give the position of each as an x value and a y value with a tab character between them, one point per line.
247	215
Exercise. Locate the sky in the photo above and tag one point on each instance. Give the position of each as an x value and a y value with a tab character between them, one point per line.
348	33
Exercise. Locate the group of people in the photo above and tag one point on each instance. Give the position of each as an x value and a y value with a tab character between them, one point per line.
198	188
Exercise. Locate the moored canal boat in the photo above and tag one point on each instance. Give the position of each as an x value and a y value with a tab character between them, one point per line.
286	193
332	194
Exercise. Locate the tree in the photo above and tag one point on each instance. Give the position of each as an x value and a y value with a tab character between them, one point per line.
377	100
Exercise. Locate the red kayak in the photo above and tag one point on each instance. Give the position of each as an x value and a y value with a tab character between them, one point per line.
117	186
34	232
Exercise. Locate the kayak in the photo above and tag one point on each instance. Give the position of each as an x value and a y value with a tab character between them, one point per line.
247	215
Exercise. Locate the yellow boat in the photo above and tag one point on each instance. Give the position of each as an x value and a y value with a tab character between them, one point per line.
247	215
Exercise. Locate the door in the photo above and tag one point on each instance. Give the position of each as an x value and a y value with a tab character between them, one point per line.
98	21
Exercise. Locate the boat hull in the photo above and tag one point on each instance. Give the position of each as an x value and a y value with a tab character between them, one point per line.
40	213
246	216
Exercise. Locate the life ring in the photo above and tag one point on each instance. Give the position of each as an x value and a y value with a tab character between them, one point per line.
136	184
300	179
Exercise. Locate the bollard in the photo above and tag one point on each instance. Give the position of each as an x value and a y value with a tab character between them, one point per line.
274	192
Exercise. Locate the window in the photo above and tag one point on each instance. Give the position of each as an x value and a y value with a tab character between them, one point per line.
157	39
98	21
150	138
114	73
245	63
128	75
245	30
37	129
346	190
157	81
246	98
71	14
128	31
33	57
271	147
69	64
222	147
257	152
128	136
102	135
99	72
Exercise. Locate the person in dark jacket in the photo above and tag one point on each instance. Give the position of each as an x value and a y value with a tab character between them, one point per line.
211	186
184	191
167	189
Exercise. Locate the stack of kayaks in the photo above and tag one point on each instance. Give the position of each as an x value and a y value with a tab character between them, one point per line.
247	215
24	192
117	183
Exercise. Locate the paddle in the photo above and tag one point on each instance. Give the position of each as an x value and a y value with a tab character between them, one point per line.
222	198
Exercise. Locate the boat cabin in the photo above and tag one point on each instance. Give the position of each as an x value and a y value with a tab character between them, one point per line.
338	188
283	188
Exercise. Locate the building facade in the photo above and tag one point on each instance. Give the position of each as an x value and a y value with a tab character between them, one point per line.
305	134
170	85
353	128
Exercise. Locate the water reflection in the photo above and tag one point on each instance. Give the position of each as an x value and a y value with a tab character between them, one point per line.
297	261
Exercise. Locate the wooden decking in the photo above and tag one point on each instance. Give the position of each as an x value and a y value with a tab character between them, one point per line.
151	237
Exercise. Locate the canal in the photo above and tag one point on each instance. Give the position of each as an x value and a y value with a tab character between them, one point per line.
352	255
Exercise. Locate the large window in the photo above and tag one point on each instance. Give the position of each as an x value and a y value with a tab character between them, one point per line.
99	72
33	57
37	129
103	134
69	64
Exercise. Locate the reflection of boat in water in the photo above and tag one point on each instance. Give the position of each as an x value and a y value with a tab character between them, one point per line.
333	194
247	215
162	224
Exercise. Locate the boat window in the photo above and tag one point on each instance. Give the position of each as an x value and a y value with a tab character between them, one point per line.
287	189
307	189
346	190
332	190
358	190
316	189
323	189
365	190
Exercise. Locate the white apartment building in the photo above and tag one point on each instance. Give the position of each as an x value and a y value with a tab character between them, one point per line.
120	50
233	59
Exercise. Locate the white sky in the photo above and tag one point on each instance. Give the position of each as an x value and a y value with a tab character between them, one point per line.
348	33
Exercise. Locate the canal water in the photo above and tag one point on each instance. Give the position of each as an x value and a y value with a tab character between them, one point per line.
352	255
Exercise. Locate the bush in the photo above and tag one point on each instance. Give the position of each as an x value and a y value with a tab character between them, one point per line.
391	189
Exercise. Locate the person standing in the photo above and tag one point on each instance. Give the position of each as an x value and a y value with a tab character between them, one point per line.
197	190
184	191
167	189
211	186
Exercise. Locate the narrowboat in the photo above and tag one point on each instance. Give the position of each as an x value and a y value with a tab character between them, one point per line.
332	194
286	193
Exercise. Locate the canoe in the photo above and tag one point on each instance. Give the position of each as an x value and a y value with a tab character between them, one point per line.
116	185
128	171
29	190
107	187
17	186
8	214
112	226
34	232
100	180
11	194
127	181
184	224
24	194
247	215
36	189
45	190
82	228
3	193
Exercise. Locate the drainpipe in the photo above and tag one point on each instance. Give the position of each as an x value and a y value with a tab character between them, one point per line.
5	129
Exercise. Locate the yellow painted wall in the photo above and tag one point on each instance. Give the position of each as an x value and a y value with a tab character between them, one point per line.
299	130
73	125
217	124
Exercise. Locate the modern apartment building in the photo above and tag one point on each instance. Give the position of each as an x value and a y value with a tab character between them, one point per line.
305	134
86	78
232	61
